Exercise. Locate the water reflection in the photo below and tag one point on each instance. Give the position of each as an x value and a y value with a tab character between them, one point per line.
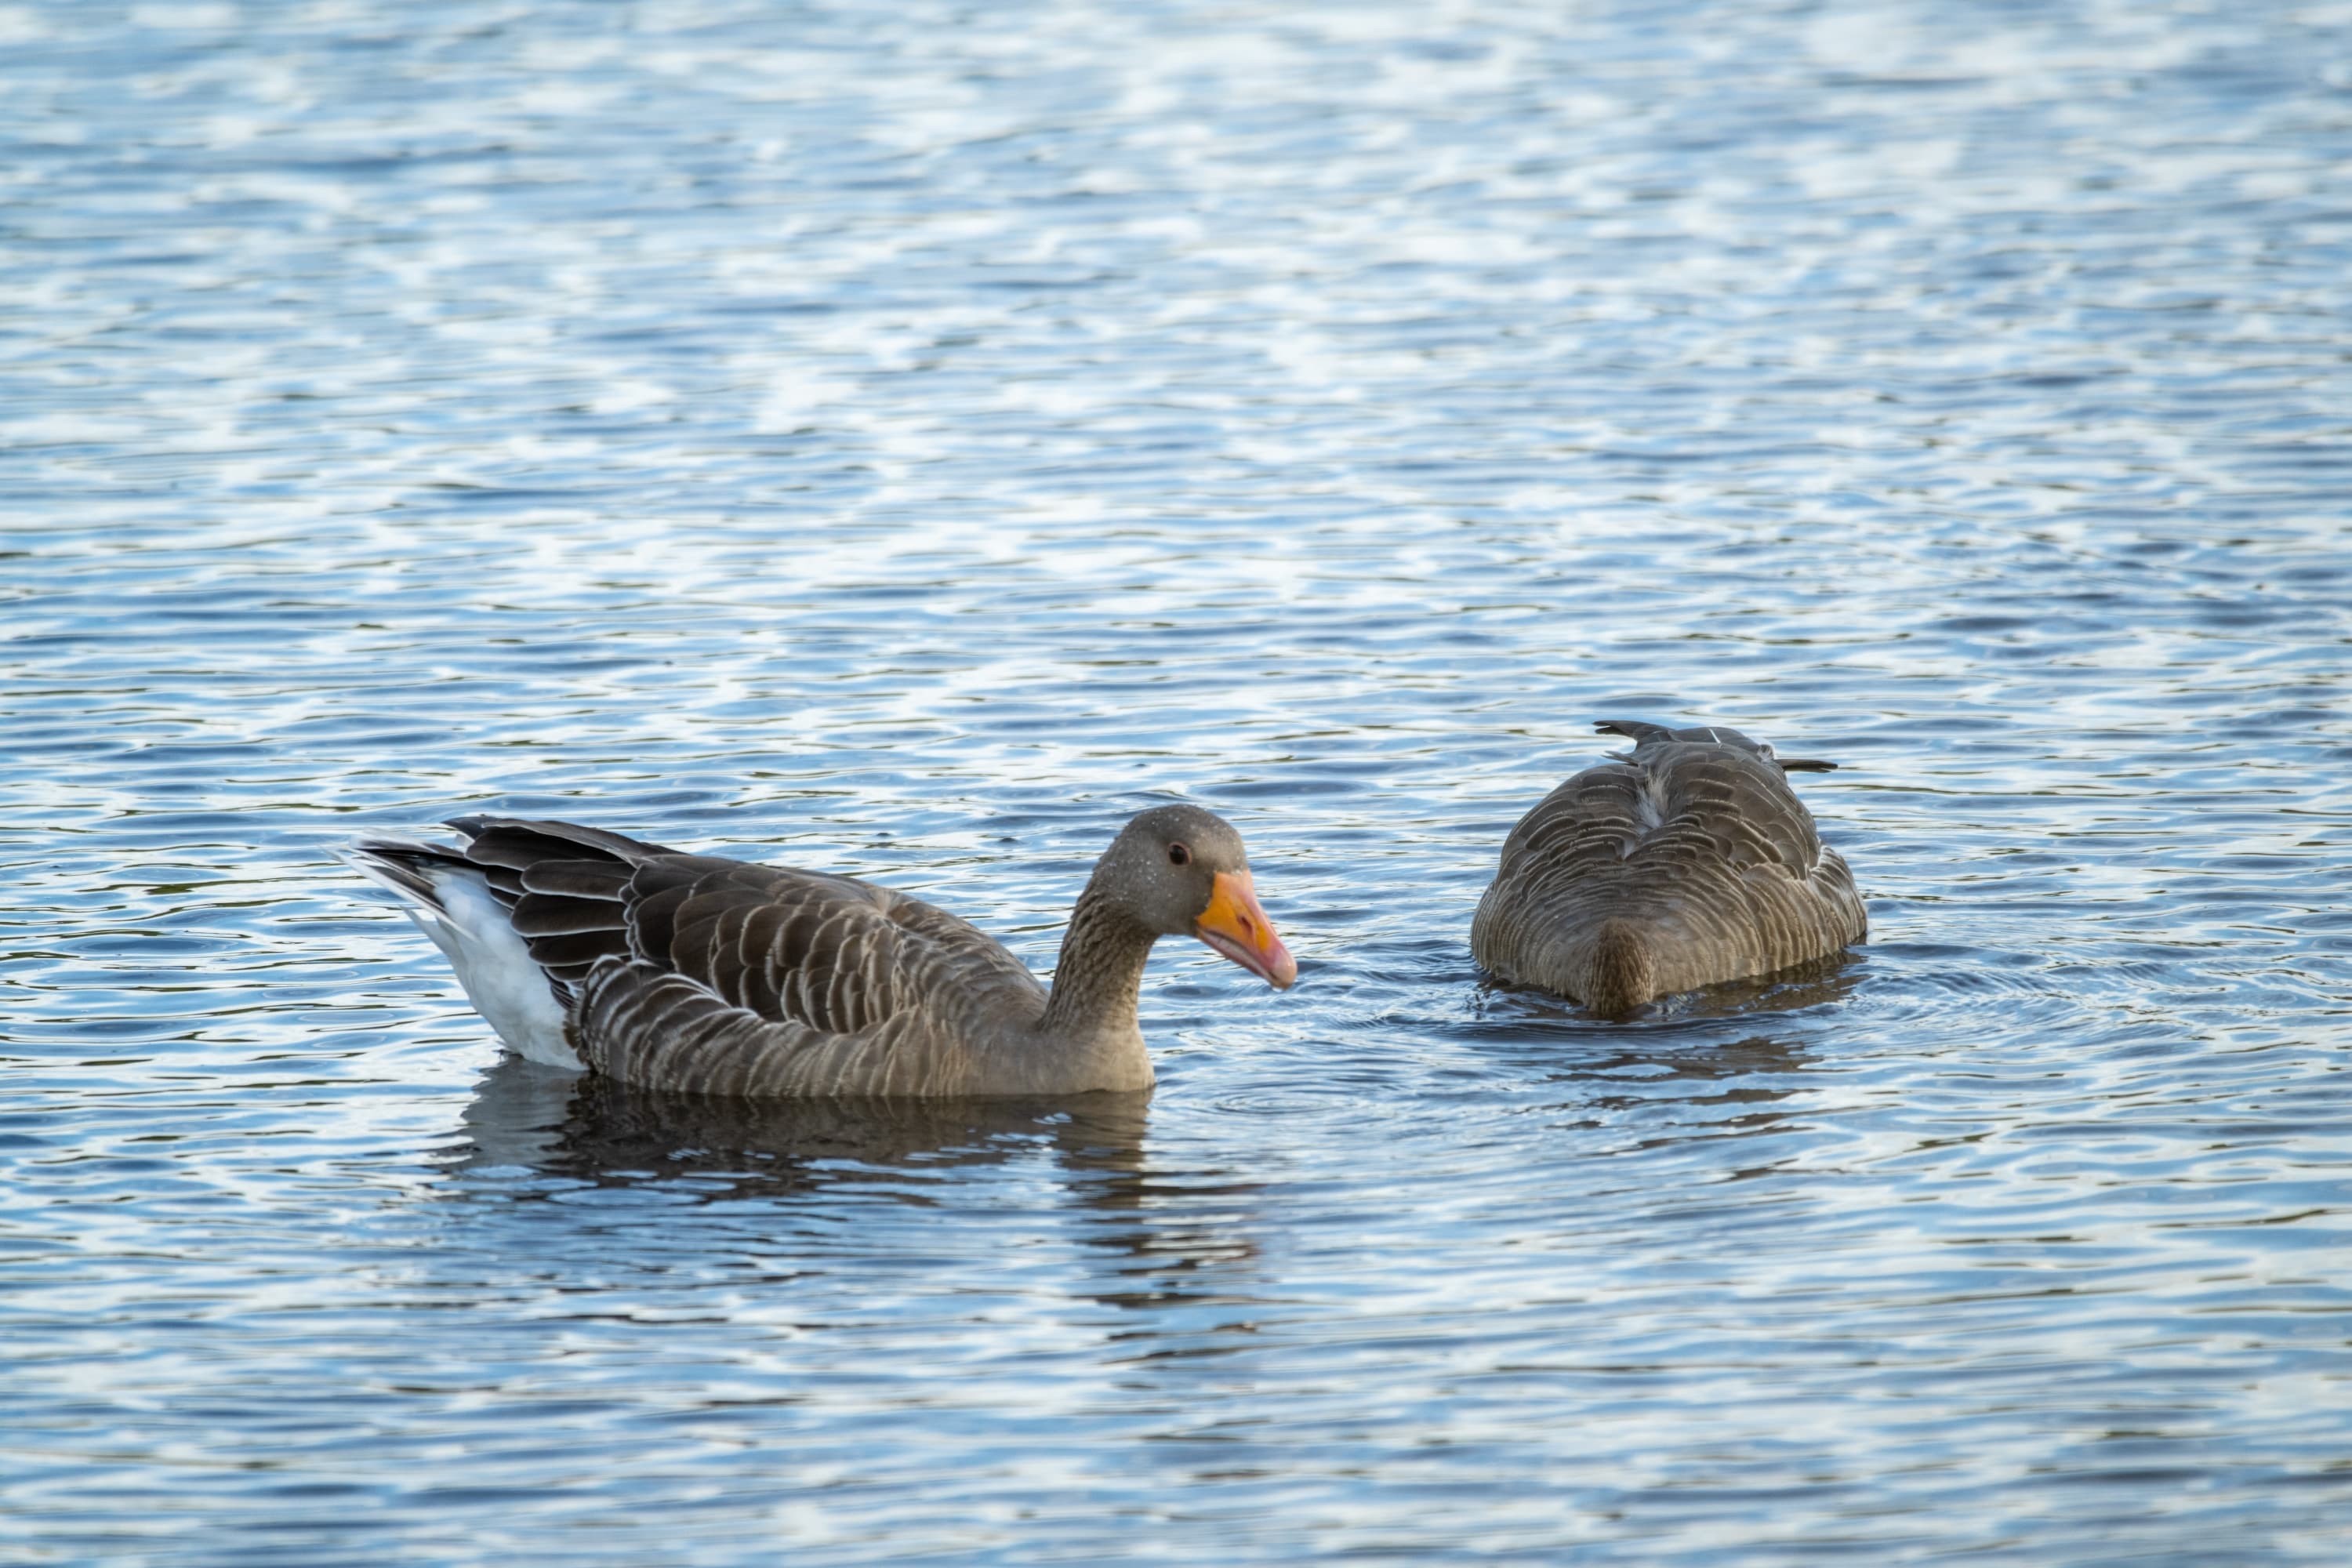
594	1128
1666	1080
1511	1010
1654	1072
922	1154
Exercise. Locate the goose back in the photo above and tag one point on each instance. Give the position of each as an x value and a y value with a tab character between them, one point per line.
1688	862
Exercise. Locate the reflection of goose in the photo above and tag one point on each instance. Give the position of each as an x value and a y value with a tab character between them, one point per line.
1686	862
818	1160
713	976
602	1130
1659	1093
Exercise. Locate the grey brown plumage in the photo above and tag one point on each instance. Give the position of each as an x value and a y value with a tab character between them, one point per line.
707	975
1686	862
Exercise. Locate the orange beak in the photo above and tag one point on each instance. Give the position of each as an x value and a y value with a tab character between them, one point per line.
1235	926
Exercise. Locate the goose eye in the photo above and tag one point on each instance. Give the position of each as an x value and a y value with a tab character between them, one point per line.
1179	856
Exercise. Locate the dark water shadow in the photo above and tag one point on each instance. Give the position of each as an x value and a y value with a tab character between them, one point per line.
1695	1067
805	1156
1751	1073
592	1128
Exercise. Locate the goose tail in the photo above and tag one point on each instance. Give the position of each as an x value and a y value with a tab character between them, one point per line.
449	898
1622	970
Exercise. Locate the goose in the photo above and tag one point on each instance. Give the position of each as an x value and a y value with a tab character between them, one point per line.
1683	863
689	973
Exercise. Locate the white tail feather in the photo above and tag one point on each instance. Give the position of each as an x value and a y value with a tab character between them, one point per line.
456	909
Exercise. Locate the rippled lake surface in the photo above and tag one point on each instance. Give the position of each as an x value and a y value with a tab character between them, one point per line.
904	440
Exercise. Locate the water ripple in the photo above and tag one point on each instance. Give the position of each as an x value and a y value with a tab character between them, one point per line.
904	445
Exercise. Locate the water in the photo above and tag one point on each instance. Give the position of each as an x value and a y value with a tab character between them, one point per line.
903	441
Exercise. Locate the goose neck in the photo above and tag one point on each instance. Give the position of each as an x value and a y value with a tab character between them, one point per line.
1099	974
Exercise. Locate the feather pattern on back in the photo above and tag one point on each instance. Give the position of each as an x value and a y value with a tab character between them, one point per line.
1687	862
749	979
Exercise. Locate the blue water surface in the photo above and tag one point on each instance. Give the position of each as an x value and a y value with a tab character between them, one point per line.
904	440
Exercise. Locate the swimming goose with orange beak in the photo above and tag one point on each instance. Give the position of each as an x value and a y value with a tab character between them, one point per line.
584	948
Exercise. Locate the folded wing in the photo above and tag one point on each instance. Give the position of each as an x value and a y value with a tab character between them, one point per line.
711	975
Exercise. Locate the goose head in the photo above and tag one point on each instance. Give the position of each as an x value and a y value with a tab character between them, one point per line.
1178	870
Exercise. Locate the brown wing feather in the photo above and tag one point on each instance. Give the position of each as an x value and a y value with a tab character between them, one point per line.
745	979
562	886
720	976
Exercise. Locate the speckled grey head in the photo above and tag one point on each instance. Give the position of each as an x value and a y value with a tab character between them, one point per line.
1644	734
1178	870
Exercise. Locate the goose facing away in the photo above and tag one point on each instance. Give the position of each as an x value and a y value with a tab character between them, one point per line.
1683	863
691	973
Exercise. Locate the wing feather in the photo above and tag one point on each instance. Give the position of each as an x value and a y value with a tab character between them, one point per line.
860	988
720	976
576	879
755	945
